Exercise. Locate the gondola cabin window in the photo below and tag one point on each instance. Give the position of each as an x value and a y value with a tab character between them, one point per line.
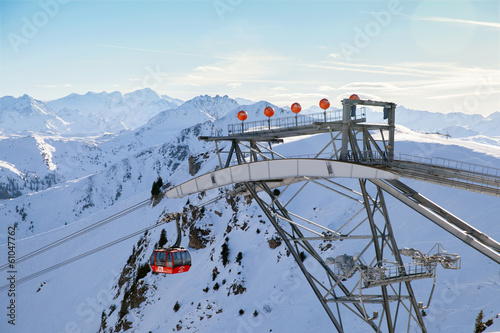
160	258
186	258
177	259
169	260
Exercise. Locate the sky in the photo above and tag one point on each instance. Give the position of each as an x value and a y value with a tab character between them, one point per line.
439	56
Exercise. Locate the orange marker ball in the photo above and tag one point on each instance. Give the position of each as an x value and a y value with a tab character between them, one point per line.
242	115
324	104
296	107
269	111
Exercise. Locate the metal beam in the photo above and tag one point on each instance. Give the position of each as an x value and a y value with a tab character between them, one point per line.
295	255
418	204
269	170
378	253
399	260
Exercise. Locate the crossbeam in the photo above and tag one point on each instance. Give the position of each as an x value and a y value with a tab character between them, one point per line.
272	170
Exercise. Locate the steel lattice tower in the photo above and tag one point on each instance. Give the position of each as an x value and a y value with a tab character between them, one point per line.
371	279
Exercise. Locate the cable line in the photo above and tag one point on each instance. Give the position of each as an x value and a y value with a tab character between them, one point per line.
78	257
100	248
79	233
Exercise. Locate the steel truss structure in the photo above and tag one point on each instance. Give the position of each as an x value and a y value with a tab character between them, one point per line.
369	279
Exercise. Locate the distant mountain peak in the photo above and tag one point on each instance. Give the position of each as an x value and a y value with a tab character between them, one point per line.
143	94
26	114
216	107
112	112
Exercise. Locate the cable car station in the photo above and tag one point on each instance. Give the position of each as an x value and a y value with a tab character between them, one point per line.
373	277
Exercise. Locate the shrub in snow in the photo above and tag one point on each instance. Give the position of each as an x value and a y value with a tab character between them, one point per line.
225	254
177	306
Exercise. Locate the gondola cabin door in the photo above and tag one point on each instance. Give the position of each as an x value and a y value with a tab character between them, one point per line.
170	261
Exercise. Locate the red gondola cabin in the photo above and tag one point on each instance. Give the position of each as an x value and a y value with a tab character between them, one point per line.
170	261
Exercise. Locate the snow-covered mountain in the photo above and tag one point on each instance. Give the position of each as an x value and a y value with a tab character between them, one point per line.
212	294
111	111
196	110
455	124
92	113
78	154
25	114
38	161
98	177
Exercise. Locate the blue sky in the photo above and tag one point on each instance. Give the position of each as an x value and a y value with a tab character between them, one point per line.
441	56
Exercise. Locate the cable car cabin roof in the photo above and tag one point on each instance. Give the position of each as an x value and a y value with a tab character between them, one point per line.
171	249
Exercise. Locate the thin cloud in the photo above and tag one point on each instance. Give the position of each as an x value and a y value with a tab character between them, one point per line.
383	69
443	71
66	85
370	85
168	52
208	69
299	95
280	88
364	69
326	88
459	21
472	93
362	95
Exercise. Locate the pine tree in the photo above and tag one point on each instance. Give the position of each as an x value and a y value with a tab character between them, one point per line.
177	306
225	254
480	326
163	238
155	190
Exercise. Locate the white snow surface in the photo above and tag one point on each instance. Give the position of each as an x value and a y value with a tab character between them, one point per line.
98	176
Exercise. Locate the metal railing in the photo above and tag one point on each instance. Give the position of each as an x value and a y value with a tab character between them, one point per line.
468	176
451	164
476	172
380	274
374	157
290	122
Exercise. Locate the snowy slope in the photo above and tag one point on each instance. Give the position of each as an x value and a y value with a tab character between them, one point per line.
115	172
81	292
37	161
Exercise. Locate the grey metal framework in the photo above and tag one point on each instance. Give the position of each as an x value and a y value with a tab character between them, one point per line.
371	280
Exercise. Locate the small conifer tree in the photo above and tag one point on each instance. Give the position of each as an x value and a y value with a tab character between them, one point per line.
155	190
225	254
177	306
163	238
480	326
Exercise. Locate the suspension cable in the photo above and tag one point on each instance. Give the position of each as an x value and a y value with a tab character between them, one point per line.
100	248
78	257
79	233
